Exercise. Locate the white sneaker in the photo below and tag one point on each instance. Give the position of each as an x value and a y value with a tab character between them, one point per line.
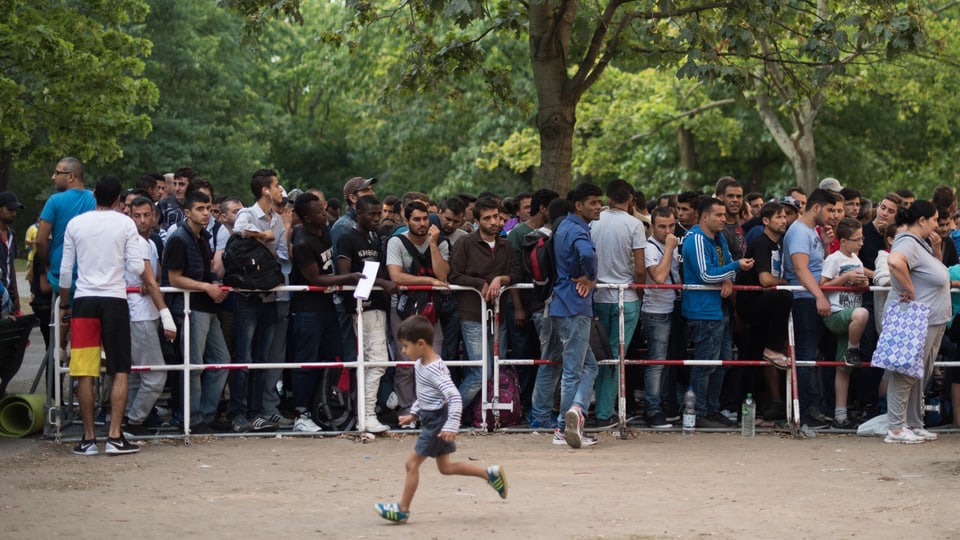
905	436
923	434
374	425
306	424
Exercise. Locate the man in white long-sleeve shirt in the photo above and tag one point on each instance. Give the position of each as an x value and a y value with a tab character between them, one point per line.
103	243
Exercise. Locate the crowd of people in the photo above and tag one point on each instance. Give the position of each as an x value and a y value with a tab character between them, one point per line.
178	228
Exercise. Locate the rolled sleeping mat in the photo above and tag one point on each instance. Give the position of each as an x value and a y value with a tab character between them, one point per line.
21	414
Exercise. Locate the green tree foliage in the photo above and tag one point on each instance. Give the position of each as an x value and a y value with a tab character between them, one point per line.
71	82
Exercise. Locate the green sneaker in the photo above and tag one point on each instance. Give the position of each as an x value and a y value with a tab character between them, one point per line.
497	480
392	512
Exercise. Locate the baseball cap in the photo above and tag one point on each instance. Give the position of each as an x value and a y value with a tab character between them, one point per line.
831	184
790	201
9	200
357	183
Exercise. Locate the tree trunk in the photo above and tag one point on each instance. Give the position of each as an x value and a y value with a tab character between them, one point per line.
556	104
799	146
6	169
688	156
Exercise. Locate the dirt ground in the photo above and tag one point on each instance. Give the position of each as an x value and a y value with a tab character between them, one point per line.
651	485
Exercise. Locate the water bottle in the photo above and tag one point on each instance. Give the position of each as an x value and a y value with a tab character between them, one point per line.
689	411
748	417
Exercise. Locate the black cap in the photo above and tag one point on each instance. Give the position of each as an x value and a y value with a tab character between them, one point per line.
10	201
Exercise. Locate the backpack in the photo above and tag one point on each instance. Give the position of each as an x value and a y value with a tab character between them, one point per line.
538	263
248	264
411	303
508	391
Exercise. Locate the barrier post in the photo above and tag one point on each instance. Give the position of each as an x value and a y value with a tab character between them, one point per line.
186	367
360	373
621	367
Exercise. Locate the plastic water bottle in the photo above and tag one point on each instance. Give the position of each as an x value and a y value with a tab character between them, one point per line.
689	411
748	417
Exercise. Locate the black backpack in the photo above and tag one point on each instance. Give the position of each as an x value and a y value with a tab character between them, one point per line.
538	263
248	264
411	303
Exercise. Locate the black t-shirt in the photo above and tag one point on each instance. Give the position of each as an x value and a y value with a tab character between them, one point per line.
767	256
309	248
175	257
872	245
359	247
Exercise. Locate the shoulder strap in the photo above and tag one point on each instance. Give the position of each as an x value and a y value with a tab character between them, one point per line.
423	259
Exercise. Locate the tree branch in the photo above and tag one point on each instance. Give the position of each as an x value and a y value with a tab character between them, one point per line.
692	112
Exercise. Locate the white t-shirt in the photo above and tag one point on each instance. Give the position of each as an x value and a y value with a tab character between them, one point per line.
141	307
837	264
397	253
616	234
104	244
659	301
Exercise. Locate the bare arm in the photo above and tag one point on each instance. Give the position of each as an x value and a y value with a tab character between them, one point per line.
805	276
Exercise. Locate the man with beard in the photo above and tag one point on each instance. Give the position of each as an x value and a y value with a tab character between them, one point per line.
415	257
71	200
171	208
9	204
803	263
767	311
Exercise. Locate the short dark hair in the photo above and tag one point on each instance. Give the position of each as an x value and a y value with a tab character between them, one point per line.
185	172
192	199
849	194
414	329
227	200
137	191
467	198
905	193
453	204
333	204
414	205
146	181
558	209
772	208
368	201
822	197
753	195
302	205
260	180
140	201
663	212
619	191
690	197
541	198
848	226
639	198
796	189
943	213
199	182
707	204
107	190
943	196
582	191
724	183
390	200
486	203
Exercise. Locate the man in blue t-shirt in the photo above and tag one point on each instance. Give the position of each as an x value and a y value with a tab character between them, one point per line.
802	264
71	200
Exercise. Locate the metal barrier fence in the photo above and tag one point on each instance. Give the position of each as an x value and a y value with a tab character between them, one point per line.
59	372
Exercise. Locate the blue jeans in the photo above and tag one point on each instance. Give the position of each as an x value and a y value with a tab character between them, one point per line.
548	375
206	346
579	364
711	341
656	327
315	337
607	385
449	324
253	326
807	325
473	334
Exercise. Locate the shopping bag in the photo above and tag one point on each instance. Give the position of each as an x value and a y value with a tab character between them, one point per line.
900	347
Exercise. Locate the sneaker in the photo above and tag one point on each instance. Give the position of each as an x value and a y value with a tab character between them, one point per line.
373	425
658	421
120	445
724	419
497	480
846	423
241	424
278	419
559	438
306	424
543	424
924	434
905	436
776	410
262	425
730	415
851	358
588	440
86	448
391	512
710	421
411	425
671	414
138	430
574	427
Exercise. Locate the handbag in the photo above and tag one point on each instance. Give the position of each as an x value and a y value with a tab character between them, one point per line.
900	346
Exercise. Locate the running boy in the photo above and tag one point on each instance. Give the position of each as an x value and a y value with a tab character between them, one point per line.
847	318
437	407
